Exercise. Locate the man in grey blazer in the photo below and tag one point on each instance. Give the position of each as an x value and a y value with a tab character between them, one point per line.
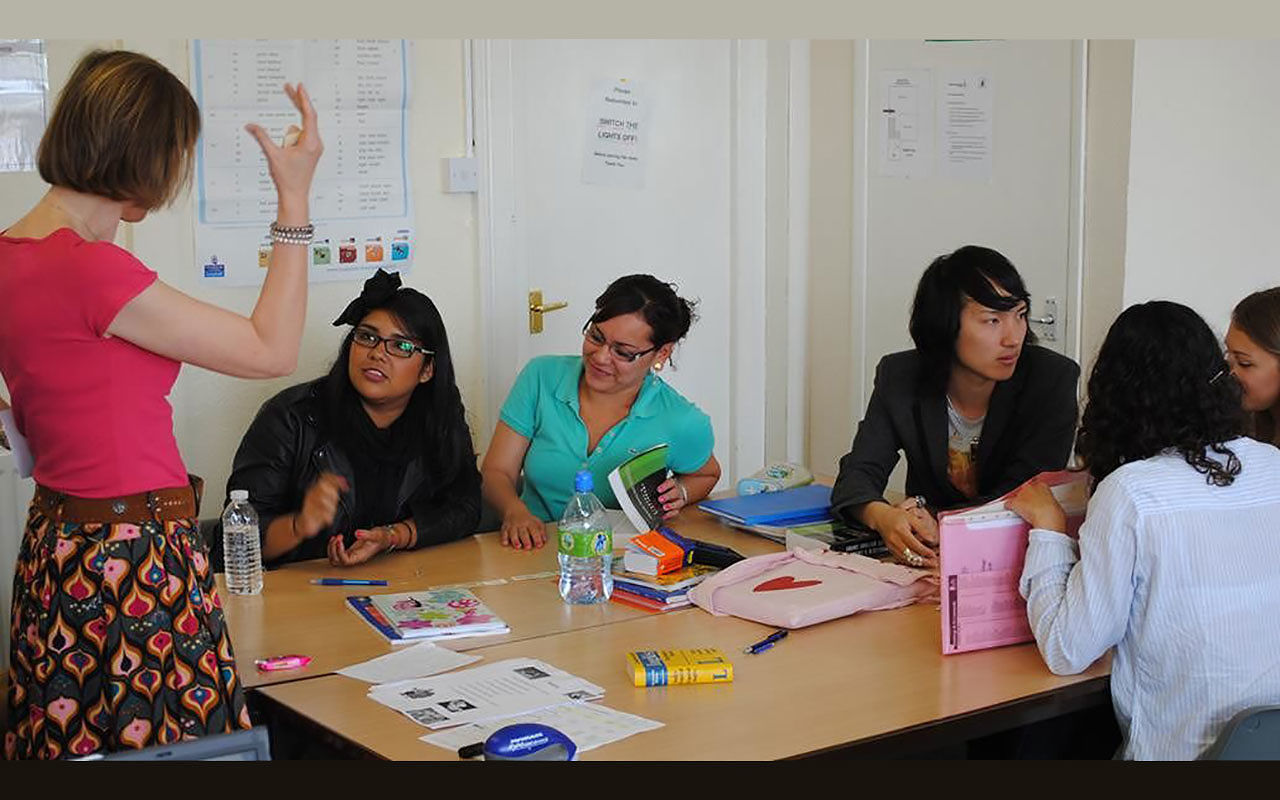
976	407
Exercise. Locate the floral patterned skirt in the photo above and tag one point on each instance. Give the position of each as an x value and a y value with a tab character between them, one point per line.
117	640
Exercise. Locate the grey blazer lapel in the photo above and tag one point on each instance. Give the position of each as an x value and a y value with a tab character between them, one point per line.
999	413
931	422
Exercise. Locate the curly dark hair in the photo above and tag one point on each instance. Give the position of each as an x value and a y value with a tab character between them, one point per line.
1160	382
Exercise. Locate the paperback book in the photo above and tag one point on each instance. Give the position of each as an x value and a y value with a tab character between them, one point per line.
428	614
670	667
635	484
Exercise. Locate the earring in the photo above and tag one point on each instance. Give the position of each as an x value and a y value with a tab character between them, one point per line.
657	367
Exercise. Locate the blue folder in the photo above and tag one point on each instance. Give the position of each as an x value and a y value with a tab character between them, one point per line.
810	503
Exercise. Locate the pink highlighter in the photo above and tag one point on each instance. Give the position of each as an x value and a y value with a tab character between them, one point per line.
282	662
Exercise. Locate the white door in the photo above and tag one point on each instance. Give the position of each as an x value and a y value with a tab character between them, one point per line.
549	225
1025	206
1024	201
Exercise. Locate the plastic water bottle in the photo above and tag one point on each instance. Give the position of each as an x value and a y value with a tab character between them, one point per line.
242	550
585	545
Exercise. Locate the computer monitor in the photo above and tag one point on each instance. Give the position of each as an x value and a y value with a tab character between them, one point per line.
250	745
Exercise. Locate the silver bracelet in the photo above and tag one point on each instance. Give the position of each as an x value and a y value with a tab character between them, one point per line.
292	234
684	493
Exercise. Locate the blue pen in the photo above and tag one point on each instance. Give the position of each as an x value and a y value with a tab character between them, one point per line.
347	582
766	642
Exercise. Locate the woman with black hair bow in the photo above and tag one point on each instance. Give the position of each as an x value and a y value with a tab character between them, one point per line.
376	454
976	407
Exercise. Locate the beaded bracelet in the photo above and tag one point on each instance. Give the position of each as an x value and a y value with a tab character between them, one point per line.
292	234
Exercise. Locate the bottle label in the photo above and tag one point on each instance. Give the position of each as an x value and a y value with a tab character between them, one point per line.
585	544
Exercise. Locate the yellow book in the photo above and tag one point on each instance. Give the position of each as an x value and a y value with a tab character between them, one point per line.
669	667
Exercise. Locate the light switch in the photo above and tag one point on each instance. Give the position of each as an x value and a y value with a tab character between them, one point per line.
461	175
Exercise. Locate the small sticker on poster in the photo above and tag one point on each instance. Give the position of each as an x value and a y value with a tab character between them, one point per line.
906	123
966	105
617	135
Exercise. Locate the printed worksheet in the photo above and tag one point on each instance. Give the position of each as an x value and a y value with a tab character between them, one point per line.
417	661
494	691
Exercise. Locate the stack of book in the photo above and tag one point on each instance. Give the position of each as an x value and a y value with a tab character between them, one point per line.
799	517
657	593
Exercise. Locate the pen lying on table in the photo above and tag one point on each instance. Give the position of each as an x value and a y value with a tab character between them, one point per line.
766	642
347	582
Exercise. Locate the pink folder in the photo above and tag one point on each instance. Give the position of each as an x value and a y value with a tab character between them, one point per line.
982	552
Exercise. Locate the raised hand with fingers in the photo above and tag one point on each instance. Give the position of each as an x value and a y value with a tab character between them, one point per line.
293	164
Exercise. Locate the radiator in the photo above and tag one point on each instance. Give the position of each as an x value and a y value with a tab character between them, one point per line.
15	496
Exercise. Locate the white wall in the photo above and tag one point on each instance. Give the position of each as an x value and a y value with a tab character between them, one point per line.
212	411
1204	174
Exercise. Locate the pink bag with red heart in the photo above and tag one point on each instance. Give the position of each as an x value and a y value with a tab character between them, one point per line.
804	587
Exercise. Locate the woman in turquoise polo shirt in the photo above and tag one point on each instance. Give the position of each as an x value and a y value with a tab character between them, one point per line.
566	413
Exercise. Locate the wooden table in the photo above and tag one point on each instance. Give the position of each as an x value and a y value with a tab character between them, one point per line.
873	683
291	616
876	682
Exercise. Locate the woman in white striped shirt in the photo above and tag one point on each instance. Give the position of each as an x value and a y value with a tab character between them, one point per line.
1178	561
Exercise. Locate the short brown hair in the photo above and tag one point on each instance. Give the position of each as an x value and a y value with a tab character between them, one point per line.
124	128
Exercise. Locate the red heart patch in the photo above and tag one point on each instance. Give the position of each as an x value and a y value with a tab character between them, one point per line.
783	582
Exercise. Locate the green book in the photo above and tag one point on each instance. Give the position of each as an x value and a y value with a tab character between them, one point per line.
635	484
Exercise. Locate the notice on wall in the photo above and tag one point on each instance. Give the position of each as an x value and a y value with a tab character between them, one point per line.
617	135
24	102
361	203
965	106
905	99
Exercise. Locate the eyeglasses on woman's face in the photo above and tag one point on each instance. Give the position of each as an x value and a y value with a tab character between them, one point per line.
597	339
394	345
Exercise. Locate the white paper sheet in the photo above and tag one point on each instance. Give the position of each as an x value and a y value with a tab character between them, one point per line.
966	103
493	691
588	726
417	661
906	123
617	135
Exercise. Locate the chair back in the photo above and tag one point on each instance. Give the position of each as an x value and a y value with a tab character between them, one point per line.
1251	735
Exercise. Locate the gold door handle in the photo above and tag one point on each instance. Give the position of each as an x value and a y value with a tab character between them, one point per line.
537	308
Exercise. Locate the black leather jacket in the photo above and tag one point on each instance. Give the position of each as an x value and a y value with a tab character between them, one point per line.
286	448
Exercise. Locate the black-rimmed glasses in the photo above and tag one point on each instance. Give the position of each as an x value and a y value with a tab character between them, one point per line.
593	335
394	346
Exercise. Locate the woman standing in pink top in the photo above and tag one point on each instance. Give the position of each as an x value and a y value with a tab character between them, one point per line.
117	636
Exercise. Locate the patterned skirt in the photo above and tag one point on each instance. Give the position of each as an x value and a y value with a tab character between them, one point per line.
117	640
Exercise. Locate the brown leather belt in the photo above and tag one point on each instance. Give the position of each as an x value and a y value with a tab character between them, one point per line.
164	505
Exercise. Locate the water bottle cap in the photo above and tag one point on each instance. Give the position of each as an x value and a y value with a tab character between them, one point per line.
240	494
583	482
